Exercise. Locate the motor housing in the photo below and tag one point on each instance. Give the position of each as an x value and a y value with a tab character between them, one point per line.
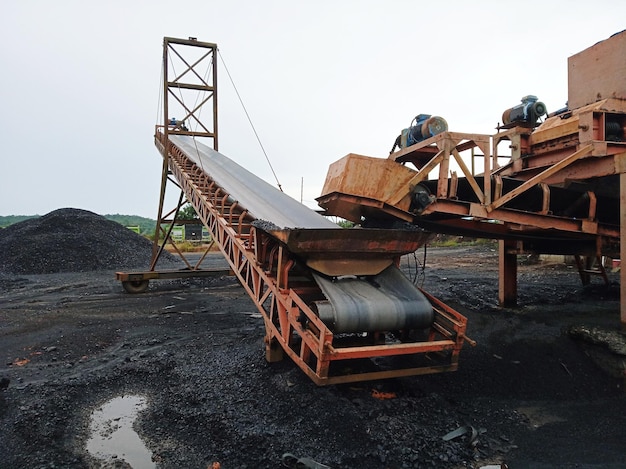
422	127
527	113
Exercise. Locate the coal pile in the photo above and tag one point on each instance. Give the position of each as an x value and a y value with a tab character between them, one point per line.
72	240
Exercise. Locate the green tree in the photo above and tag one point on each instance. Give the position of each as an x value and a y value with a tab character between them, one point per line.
187	213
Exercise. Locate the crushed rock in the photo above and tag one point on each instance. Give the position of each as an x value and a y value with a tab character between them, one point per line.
72	240
614	340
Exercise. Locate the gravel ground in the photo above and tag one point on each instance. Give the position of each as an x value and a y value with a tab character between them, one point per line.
536	395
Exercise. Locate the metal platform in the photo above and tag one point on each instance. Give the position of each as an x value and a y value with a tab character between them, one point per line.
137	282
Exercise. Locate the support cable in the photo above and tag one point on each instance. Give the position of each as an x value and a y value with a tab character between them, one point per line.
160	100
419	275
250	121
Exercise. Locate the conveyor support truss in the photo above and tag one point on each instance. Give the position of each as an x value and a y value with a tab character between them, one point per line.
272	266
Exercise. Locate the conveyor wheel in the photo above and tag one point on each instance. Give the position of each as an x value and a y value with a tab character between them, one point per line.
135	286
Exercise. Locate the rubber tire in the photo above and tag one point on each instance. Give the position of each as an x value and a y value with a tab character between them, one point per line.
136	286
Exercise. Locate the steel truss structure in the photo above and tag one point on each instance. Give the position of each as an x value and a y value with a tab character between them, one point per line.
189	88
561	191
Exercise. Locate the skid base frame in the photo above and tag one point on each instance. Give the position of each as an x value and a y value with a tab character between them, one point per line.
137	282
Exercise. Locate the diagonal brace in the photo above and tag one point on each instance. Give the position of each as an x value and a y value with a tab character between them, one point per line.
585	151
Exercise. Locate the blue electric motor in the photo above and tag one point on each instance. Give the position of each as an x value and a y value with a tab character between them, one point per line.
422	127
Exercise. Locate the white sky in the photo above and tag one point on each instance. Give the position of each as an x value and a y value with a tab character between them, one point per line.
79	88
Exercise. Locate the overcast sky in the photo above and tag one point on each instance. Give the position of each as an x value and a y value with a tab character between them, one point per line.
79	88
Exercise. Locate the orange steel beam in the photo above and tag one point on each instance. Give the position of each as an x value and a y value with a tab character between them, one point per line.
518	217
622	206
507	268
593	166
483	197
423	157
419	177
539	178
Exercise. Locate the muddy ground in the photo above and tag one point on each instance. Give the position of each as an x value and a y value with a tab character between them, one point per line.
538	396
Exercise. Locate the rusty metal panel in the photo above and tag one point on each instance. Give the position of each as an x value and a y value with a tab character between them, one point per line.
374	178
364	242
359	251
598	72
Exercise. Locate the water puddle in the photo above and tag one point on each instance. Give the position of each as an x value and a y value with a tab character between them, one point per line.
112	436
538	416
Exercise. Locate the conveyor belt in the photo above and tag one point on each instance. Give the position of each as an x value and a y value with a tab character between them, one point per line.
262	200
387	301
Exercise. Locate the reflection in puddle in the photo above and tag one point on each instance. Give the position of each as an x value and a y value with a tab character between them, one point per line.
538	416
112	435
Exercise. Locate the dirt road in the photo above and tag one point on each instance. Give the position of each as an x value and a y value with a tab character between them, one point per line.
535	396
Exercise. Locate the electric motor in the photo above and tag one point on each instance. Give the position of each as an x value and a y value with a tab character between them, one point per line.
423	127
526	113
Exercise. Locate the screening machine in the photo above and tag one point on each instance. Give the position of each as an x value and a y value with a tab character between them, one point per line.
559	188
332	299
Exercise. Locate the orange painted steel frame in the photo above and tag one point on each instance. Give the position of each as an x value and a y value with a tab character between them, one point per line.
450	145
554	155
198	84
265	269
559	163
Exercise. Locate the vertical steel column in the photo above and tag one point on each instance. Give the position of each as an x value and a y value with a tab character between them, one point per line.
507	278
622	247
215	133
156	251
